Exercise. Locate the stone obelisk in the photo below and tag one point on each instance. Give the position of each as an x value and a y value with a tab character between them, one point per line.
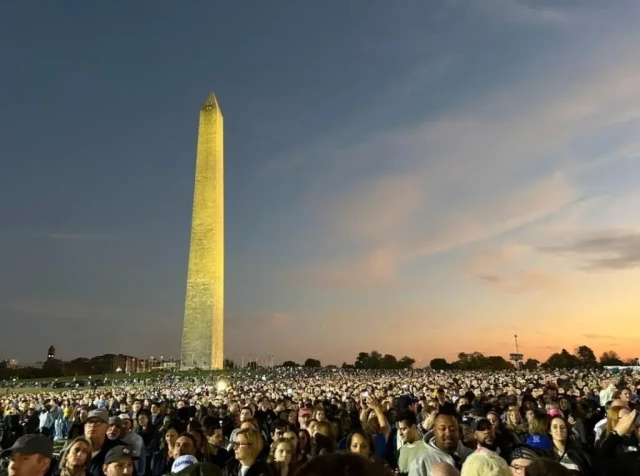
203	329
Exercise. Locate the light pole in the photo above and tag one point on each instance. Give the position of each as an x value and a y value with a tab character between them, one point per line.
517	357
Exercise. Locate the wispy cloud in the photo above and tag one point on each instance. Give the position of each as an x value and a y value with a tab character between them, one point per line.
604	250
598	336
466	176
502	270
521	11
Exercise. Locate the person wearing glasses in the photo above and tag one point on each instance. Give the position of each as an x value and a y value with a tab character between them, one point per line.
246	447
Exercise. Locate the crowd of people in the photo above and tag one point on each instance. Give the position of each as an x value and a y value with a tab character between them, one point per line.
281	422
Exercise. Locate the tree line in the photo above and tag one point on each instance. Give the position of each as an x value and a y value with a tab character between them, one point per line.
373	360
583	356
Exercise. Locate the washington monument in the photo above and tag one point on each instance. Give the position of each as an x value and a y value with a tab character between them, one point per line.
203	328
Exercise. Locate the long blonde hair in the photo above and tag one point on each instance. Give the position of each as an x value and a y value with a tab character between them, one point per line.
254	438
63	457
513	409
613	415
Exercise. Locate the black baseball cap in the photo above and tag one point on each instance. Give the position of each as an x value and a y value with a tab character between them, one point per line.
32	444
118	452
480	424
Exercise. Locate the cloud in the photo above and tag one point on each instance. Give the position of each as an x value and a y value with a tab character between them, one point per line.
501	269
405	231
373	269
395	199
598	336
520	11
603	250
469	175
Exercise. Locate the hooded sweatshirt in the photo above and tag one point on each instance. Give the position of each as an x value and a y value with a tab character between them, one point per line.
432	455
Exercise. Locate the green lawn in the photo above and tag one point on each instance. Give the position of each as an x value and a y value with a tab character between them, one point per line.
112	377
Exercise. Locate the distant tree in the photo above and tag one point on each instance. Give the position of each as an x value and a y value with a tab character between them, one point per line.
389	362
312	363
562	360
347	366
289	363
406	362
610	357
473	361
631	362
497	362
375	360
366	360
252	365
585	356
229	364
331	367
531	364
439	364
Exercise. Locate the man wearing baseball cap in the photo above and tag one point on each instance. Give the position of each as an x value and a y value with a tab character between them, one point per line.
119	461
30	455
95	429
304	416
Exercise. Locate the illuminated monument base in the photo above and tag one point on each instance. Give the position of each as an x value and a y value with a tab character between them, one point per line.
203	329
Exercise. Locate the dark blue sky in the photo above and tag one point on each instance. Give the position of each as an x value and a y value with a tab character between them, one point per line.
322	100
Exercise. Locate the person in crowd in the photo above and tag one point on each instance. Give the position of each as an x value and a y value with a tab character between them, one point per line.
375	422
560	407
218	454
538	433
360	442
620	438
119	461
163	458
247	447
115	428
305	442
412	443
157	417
76	458
282	458
521	457
246	413
133	440
186	444
546	467
203	448
278	427
304	416
30	420
30	455
445	447
323	440
612	409
78	419
149	435
515	426
299	456
568	452
95	429
485	459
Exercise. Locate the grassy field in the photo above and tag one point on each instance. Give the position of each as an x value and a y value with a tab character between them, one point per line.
33	384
